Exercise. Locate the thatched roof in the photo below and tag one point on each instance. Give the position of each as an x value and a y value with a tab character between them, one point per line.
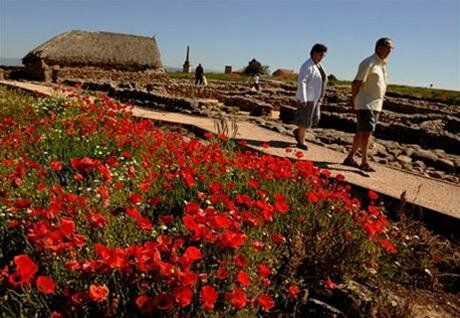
102	49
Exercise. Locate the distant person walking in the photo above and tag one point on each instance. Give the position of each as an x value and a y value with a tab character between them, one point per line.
199	73
256	82
367	93
311	86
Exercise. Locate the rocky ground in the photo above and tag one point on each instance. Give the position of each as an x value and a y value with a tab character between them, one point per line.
417	135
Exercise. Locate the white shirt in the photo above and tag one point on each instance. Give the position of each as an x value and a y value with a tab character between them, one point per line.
309	83
372	72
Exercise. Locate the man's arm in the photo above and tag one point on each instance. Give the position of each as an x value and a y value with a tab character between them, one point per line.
355	86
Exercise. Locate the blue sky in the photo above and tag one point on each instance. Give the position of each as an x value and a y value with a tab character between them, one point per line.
426	34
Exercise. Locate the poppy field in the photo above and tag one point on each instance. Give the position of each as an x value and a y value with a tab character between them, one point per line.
105	214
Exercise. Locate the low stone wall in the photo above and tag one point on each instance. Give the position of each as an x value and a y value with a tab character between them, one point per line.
141	78
11	72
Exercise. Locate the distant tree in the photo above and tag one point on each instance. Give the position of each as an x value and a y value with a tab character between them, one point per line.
332	79
255	67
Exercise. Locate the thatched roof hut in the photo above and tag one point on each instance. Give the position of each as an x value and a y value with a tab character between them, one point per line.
102	50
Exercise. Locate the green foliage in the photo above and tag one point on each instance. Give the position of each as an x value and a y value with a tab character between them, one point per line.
255	67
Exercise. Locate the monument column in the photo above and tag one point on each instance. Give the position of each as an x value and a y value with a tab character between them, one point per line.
187	67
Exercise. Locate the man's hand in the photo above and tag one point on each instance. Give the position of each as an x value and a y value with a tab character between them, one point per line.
355	86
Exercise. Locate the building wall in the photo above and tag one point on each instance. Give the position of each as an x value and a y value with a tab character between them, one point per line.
40	71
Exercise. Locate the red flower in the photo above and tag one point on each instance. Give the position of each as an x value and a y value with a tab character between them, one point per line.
45	284
22	204
183	295
278	238
192	208
215	187
56	314
98	220
133	212
193	253
25	267
299	154
208	296
372	195
135	198
240	261
281	207
237	297
340	177
163	301
293	291
243	278
67	226
253	183
329	283
265	301
388	246
264	271
98	293
312	197
222	273
144	303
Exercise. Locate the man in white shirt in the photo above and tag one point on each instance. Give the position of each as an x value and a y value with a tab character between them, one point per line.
311	85
367	93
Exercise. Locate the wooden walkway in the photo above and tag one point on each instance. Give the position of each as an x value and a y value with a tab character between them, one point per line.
429	193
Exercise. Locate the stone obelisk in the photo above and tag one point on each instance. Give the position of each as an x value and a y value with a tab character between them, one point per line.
187	67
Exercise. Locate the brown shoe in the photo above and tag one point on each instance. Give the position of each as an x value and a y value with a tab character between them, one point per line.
366	167
350	163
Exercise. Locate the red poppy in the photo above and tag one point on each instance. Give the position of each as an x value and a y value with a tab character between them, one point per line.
192	208
45	284
56	314
98	220
25	266
209	296
388	246
330	284
278	238
243	278
215	187
265	301
222	273
183	296
98	293
281	207
237	297
240	261
312	197
264	271
372	195
133	212
56	165
67	226
193	253
22	204
144	303
135	198
293	291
